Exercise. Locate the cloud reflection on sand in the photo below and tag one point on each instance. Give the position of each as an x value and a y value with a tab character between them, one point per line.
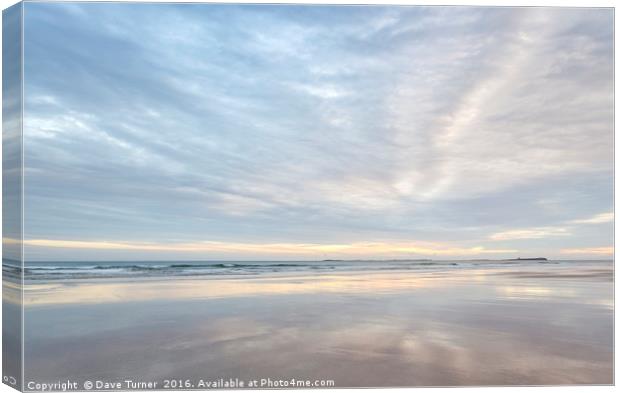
111	291
457	327
222	287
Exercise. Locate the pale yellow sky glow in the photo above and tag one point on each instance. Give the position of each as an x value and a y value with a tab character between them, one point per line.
357	248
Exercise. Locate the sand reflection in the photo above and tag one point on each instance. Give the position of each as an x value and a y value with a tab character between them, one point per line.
91	292
461	327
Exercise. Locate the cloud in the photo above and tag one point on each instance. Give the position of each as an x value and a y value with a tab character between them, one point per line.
597	219
544	232
281	124
589	251
530	233
325	92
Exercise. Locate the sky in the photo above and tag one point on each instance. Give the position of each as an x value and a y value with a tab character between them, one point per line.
262	132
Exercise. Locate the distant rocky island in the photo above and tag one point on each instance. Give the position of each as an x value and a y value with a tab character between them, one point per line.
528	259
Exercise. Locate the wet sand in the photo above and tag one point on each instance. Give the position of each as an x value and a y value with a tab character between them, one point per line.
513	325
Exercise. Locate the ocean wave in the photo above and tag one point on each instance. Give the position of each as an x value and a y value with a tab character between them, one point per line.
49	271
91	270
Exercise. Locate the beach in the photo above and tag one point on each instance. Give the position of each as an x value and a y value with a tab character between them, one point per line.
417	324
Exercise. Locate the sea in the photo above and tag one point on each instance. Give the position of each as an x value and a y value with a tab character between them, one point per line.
55	270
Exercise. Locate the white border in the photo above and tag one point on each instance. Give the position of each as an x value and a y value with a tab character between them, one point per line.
558	3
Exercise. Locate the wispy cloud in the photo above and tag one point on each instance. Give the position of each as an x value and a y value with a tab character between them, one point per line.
597	219
589	251
544	232
530	233
325	92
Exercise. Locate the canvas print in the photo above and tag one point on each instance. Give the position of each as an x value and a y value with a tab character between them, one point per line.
210	196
